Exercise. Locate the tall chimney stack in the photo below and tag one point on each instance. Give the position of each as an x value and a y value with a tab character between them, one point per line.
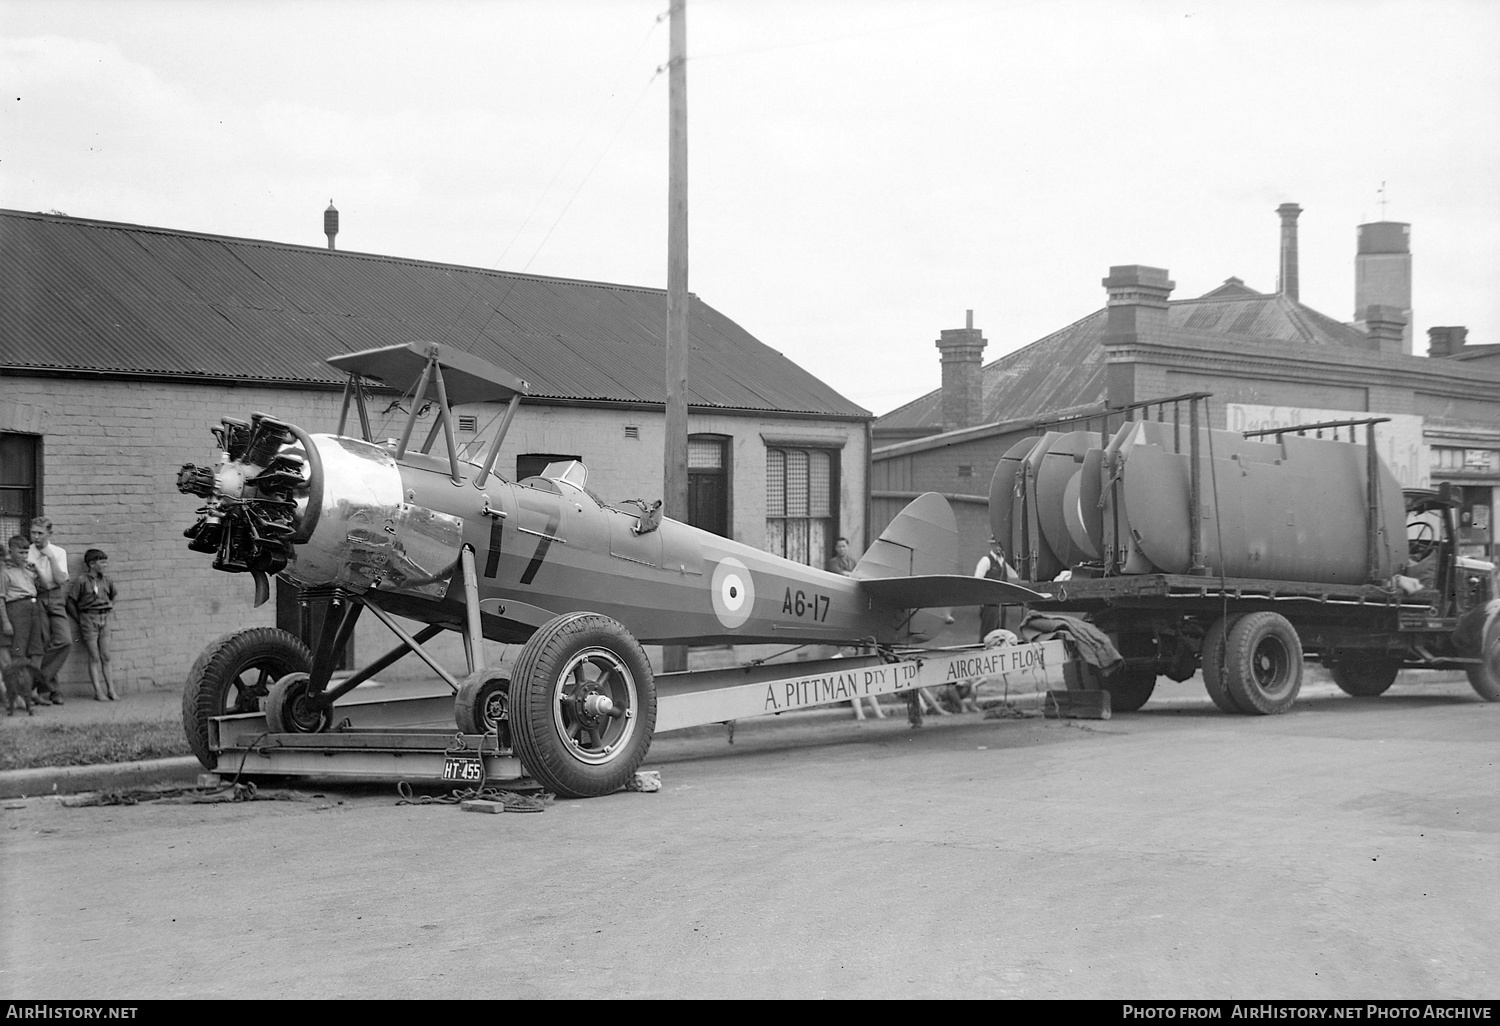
330	223
1286	278
1382	272
962	352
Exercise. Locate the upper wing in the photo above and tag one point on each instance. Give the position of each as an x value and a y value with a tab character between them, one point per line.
929	590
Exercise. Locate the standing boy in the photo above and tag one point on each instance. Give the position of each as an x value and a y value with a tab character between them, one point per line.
20	619
91	596
51	563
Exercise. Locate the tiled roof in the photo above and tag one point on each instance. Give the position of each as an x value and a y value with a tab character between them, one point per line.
1066	368
85	296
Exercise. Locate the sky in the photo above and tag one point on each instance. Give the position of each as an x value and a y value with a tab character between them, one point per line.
861	172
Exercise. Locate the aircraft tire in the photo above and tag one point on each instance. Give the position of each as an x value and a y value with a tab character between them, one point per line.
289	712
1130	688
564	736
481	702
1211	663
1263	663
233	674
1364	674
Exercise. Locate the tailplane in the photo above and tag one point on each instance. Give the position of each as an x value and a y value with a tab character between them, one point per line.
914	563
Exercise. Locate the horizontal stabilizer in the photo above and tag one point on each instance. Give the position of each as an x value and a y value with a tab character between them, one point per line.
930	590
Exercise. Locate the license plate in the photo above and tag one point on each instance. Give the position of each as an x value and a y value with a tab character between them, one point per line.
467	771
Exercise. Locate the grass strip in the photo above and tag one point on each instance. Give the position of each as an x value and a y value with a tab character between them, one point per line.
89	744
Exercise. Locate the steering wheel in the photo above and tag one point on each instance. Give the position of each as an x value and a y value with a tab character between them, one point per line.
1423	540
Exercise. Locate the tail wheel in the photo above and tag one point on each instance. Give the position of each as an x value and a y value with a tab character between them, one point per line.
1364	674
233	675
292	709
582	705
1212	664
481	705
1263	663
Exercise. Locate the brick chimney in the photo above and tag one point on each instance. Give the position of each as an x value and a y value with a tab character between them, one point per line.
1382	272
1136	309
1384	327
962	352
1446	341
1286	278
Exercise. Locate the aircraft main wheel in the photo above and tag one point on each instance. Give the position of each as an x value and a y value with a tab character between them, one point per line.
232	675
1130	688
582	705
1211	662
1263	663
1364	674
290	709
481	703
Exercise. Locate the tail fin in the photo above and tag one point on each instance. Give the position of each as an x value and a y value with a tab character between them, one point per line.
914	563
923	539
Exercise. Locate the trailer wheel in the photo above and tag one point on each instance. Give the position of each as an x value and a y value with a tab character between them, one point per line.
1484	677
1130	688
582	705
290	709
232	675
1364	674
1263	663
480	705
1211	662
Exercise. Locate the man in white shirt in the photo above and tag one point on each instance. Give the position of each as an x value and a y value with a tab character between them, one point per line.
51	562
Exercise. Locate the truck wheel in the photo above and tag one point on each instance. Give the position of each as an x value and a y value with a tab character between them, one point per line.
1364	674
480	703
1130	688
1211	662
582	705
1263	663
232	675
1485	677
290	710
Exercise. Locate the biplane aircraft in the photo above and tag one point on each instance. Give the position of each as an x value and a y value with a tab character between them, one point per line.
400	531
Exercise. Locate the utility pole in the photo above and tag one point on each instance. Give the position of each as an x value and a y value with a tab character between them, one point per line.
675	446
675	452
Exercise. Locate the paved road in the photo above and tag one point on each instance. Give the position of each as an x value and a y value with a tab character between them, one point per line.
1348	849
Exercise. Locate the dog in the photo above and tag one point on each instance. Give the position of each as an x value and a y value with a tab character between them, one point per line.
19	680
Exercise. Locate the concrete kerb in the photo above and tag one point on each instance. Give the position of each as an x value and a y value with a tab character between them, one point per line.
48	780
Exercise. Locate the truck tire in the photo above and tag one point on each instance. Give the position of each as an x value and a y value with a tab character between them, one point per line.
232	675
1364	674
1484	677
568	737
1130	688
1211	662
1263	663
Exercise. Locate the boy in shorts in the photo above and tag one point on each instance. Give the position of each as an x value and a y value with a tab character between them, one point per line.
91	597
20	619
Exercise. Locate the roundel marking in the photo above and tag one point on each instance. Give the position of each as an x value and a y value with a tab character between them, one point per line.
733	592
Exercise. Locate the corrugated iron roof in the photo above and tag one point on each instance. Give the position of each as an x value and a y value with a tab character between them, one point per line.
98	296
1066	368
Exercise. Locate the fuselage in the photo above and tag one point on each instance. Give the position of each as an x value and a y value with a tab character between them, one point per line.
546	546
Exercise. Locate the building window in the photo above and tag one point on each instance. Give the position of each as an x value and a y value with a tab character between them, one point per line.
20	482
800	510
468	422
708	483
